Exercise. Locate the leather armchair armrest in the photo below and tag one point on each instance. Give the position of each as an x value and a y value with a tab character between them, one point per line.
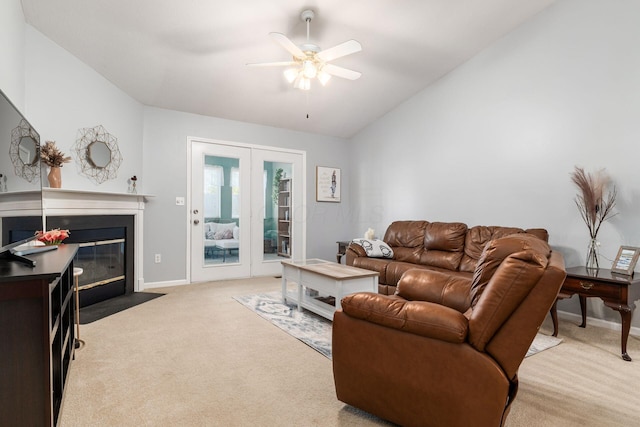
354	251
417	317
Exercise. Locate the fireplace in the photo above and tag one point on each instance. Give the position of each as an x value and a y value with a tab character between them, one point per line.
105	253
99	222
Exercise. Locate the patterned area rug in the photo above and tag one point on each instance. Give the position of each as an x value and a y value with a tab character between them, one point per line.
315	331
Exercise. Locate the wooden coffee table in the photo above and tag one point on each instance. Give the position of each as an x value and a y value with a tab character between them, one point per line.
329	279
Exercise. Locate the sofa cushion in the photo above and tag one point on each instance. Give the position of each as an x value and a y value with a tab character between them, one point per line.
443	244
407	234
477	238
223	234
374	264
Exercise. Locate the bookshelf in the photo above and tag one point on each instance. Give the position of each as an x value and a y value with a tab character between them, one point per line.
284	218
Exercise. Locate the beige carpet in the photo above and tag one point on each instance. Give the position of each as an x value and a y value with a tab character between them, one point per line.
196	357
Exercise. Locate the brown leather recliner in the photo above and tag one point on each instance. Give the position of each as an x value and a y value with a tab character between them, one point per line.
445	350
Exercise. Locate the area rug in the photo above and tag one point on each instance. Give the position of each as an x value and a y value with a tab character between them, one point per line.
315	331
105	308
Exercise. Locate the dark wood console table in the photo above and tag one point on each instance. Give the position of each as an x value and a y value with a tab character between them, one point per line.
342	249
37	336
617	291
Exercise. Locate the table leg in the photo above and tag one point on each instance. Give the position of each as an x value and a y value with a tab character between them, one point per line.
583	310
625	314
554	317
284	288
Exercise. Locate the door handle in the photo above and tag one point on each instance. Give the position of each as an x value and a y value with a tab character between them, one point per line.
196	221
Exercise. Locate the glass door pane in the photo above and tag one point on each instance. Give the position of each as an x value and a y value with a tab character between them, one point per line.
277	212
221	195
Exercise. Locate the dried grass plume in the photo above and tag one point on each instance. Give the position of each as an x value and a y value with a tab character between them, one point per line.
596	199
52	156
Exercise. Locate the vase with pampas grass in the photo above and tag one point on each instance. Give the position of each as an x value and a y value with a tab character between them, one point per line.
595	202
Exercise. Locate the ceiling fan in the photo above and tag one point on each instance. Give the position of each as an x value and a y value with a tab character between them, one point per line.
310	62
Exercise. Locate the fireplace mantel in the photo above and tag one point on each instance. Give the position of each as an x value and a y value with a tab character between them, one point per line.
54	199
63	202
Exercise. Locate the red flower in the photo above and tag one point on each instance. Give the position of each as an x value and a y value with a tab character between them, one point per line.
52	237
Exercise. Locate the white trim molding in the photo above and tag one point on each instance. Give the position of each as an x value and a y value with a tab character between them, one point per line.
62	202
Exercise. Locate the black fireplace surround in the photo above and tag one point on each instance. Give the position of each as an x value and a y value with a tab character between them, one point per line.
98	264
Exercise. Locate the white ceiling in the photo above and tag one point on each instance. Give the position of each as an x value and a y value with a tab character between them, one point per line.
190	55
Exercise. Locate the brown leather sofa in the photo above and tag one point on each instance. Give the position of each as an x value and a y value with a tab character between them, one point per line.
451	247
445	349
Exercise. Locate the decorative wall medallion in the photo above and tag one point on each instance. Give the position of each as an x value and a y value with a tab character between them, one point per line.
25	151
98	154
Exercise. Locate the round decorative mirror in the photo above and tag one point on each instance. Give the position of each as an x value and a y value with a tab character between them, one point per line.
25	151
28	150
98	154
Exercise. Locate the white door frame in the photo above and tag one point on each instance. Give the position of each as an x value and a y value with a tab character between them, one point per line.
301	181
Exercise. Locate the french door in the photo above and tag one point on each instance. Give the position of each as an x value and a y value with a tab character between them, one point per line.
238	217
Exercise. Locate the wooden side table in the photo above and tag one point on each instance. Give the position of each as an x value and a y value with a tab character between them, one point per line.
615	290
342	249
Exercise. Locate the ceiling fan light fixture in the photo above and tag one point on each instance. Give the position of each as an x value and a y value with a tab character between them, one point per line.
291	74
323	77
309	69
303	83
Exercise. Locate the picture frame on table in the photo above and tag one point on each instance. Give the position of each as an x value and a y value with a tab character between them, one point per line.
328	182
626	260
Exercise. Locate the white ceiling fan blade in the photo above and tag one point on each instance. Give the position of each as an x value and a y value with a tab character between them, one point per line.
272	64
343	49
345	73
283	41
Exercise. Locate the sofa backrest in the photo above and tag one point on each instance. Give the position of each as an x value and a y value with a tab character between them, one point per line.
406	238
443	244
449	245
477	238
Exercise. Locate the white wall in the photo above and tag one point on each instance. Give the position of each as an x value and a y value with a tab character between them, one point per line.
63	95
165	177
12	51
494	141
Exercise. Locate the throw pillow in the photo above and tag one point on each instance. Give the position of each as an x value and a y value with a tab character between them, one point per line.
209	235
375	248
223	234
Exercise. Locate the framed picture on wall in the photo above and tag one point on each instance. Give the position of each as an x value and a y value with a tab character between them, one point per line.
626	260
327	184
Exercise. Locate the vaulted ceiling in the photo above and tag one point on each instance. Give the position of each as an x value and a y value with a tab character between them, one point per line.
191	55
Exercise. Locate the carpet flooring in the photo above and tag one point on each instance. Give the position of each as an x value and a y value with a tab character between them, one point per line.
102	309
196	357
315	331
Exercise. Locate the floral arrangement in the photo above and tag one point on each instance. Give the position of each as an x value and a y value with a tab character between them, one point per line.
52	156
52	237
595	202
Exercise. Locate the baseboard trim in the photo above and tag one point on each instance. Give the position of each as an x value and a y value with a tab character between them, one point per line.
607	324
151	285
